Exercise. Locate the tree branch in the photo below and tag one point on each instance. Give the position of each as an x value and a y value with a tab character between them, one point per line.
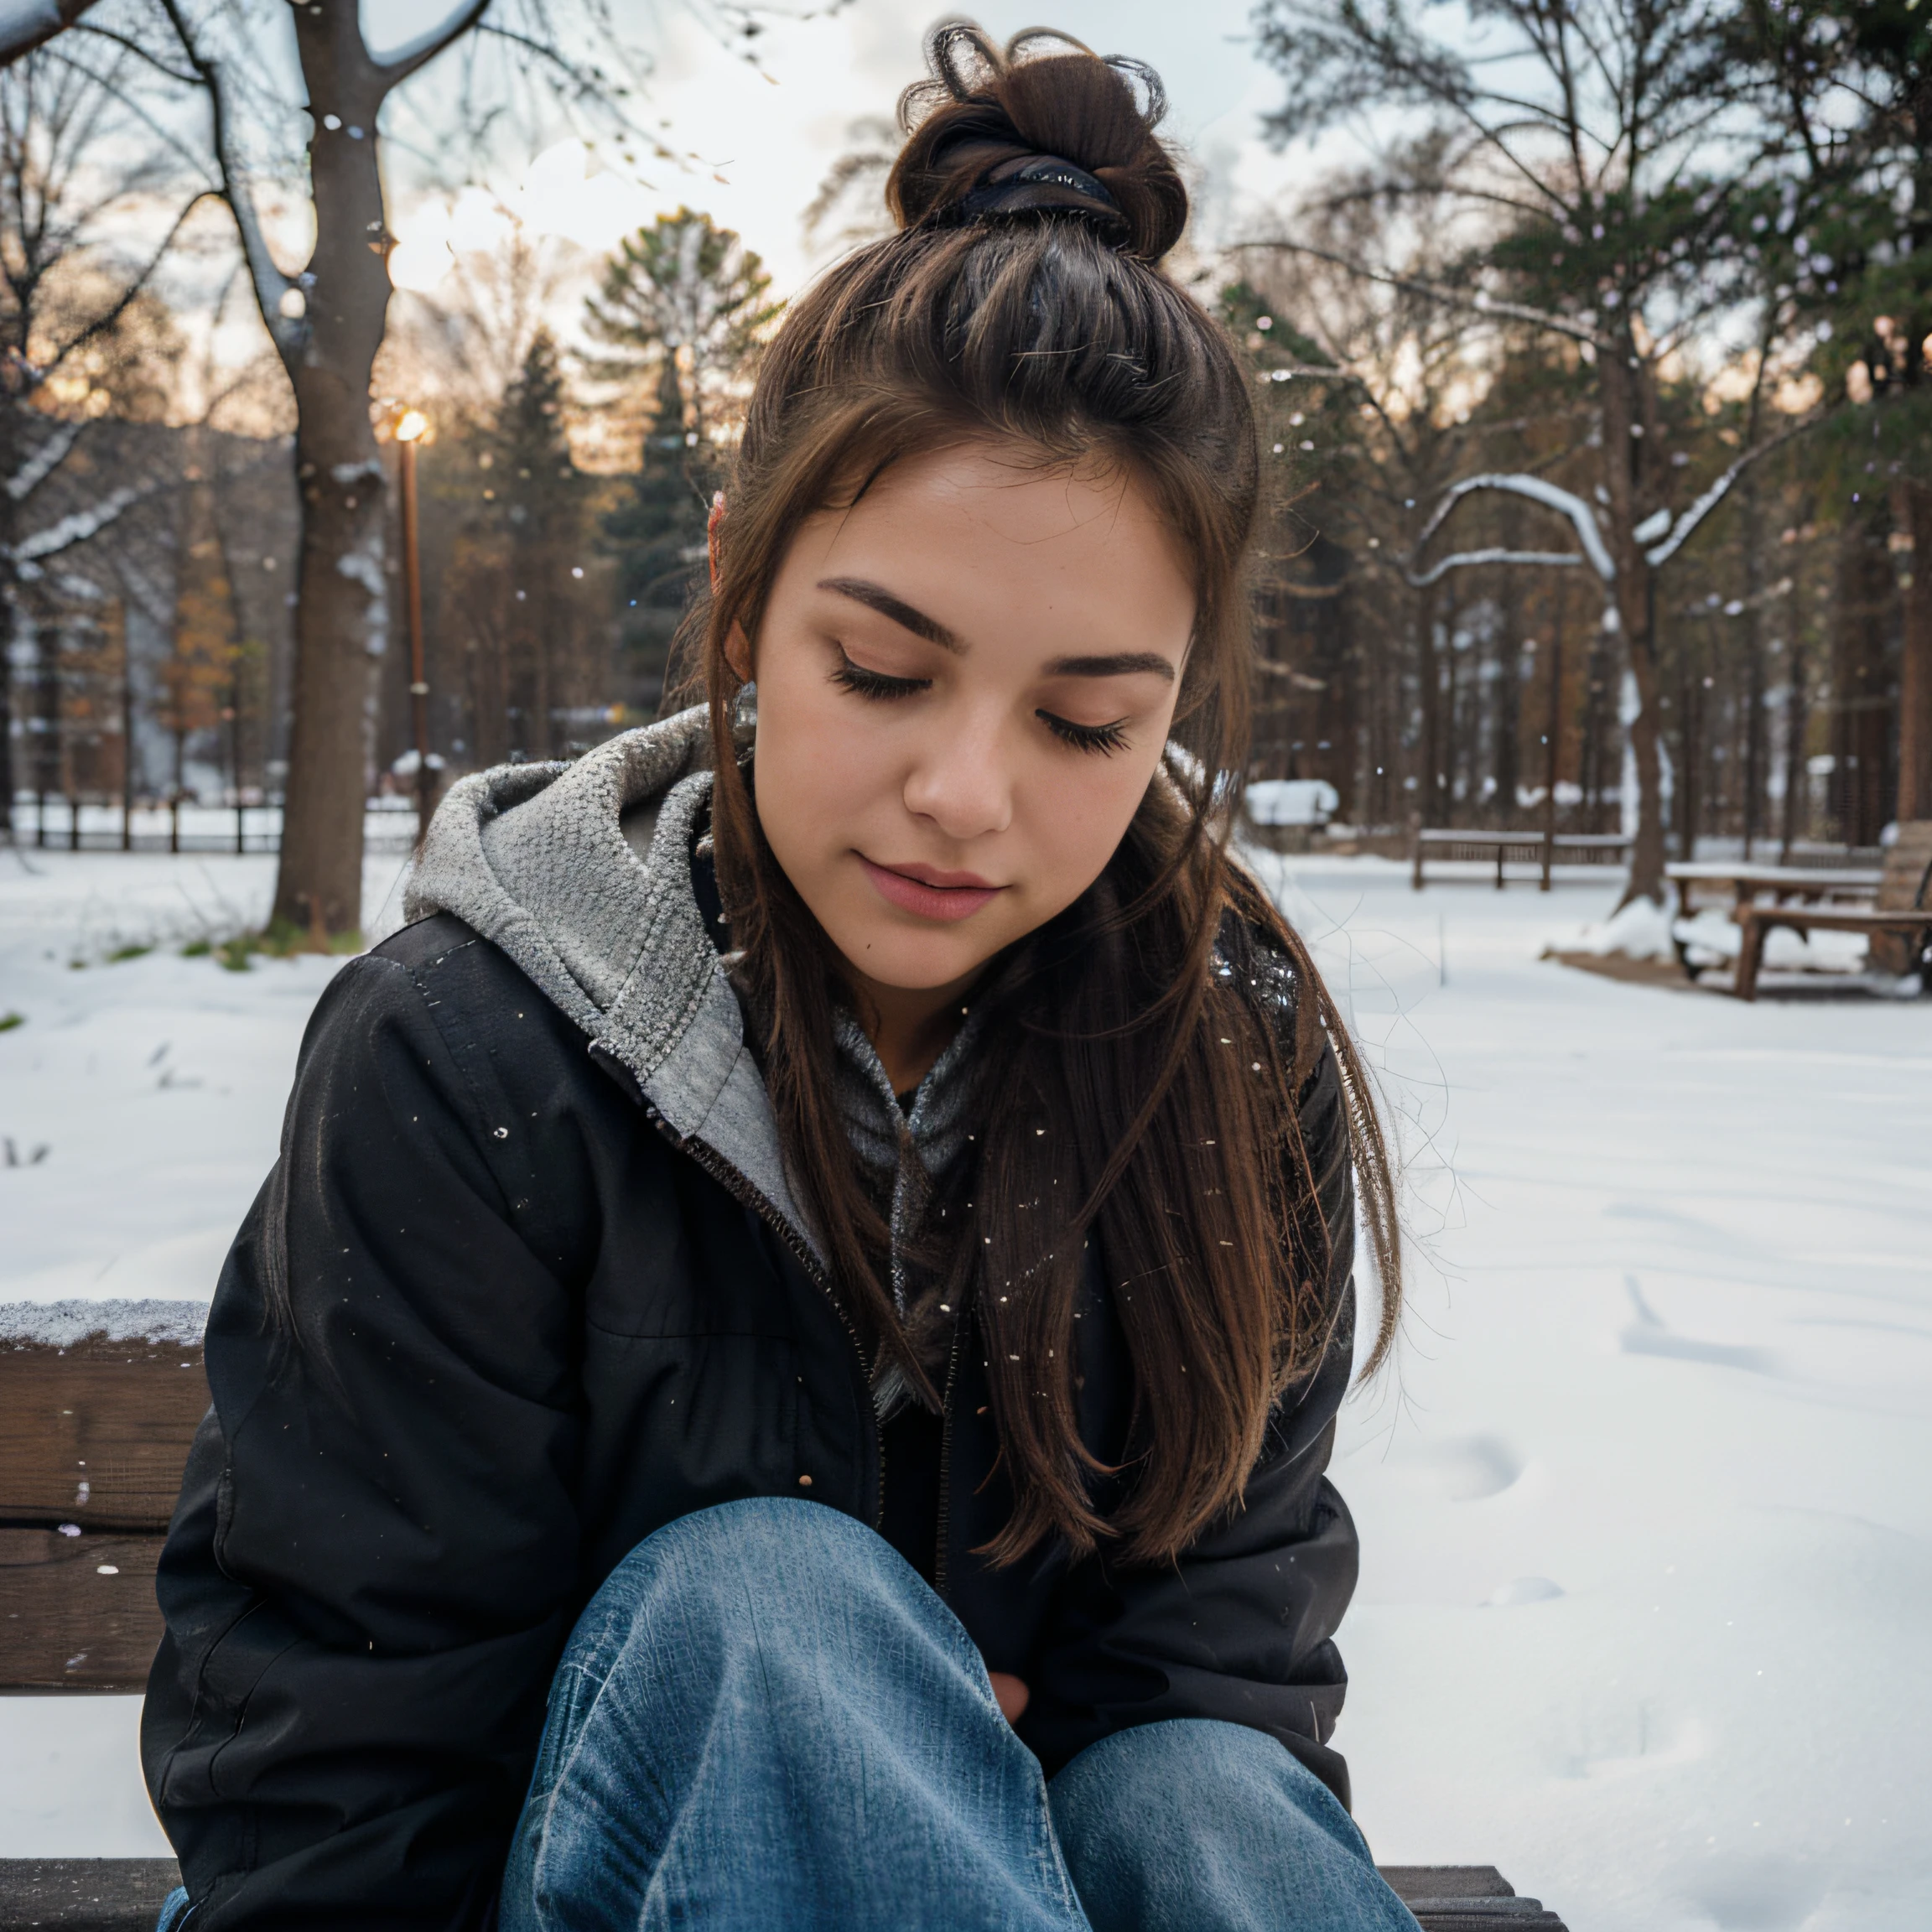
425	47
27	555
107	320
1464	559
287	332
1687	523
1477	303
44	461
1538	489
26	24
129	44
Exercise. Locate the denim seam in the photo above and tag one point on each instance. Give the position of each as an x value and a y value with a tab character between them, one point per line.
550	1797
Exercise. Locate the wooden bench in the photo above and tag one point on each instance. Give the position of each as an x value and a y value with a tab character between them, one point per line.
1522	848
94	1430
1897	924
1743	885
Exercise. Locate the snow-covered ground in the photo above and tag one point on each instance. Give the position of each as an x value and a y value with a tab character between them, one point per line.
1647	1532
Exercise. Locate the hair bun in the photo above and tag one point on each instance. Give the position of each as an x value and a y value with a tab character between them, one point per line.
1007	130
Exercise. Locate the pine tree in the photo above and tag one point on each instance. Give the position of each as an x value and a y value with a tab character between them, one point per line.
538	501
657	532
683	304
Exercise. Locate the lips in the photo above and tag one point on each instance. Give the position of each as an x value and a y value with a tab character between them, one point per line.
929	893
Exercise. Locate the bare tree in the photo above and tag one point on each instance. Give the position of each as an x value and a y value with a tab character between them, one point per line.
1580	137
80	335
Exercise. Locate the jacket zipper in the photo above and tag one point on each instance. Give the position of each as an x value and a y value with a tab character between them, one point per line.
747	1197
945	1462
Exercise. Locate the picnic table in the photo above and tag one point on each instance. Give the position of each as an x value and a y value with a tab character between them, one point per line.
94	1431
1896	920
1784	883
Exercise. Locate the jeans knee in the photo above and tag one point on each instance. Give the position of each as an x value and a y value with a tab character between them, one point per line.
761	1570
776	1539
1193	1806
1184	1760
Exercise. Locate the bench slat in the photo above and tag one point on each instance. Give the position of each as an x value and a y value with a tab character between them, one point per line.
96	1434
84	1894
66	1626
125	1895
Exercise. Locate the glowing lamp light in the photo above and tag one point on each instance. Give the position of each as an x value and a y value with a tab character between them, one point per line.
411	425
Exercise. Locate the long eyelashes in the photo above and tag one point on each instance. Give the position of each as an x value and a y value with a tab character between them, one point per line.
877	685
1102	738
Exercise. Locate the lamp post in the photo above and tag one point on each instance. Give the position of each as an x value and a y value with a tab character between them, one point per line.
409	430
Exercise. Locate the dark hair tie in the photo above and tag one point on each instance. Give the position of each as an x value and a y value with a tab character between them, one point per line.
1042	182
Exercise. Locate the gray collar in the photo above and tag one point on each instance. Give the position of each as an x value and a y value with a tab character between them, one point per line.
914	1148
534	858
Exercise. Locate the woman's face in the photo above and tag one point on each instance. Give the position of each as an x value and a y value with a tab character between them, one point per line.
965	681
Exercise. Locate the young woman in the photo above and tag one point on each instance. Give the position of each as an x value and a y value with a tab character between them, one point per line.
821	1259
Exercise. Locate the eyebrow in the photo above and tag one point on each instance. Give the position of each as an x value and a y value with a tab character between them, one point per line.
1121	664
877	597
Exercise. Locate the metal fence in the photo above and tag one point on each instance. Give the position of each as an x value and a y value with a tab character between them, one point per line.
62	825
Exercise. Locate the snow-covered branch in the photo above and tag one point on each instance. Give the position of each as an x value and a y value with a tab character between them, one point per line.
24	24
1538	489
1465	559
425	47
272	287
29	554
1719	490
1474	301
44	461
1314	371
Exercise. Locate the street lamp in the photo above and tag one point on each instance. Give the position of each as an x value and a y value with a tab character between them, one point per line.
410	427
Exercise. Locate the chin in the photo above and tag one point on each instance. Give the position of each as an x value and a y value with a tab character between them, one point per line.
910	962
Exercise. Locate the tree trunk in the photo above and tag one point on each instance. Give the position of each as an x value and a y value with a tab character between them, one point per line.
1751	534
10	612
1428	779
47	750
1634	600
1797	778
341	613
1862	594
1912	518
1506	760
1690	750
1646	880
6	715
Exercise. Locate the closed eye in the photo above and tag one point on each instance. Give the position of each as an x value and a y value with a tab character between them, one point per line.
875	684
1102	738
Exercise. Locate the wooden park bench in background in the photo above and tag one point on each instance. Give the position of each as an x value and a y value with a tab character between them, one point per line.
1897	923
1537	849
1740	883
1783	885
94	1430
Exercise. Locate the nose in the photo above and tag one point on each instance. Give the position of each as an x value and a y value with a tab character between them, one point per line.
961	782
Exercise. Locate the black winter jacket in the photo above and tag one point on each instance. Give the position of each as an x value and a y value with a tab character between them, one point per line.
493	1319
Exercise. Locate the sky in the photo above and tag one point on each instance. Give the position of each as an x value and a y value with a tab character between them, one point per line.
766	139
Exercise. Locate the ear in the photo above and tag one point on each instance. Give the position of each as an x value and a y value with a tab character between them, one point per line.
738	653
711	527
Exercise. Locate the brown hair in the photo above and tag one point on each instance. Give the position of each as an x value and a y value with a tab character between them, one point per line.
1143	1096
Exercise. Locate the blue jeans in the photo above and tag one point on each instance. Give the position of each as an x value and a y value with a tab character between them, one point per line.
766	1721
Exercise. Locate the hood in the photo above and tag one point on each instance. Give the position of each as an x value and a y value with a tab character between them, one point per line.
535	859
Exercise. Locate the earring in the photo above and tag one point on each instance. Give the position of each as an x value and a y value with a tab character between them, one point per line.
745	717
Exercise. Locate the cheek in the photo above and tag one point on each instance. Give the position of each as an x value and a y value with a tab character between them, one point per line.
814	770
1076	810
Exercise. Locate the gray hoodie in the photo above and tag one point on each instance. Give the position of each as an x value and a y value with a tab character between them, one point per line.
582	874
